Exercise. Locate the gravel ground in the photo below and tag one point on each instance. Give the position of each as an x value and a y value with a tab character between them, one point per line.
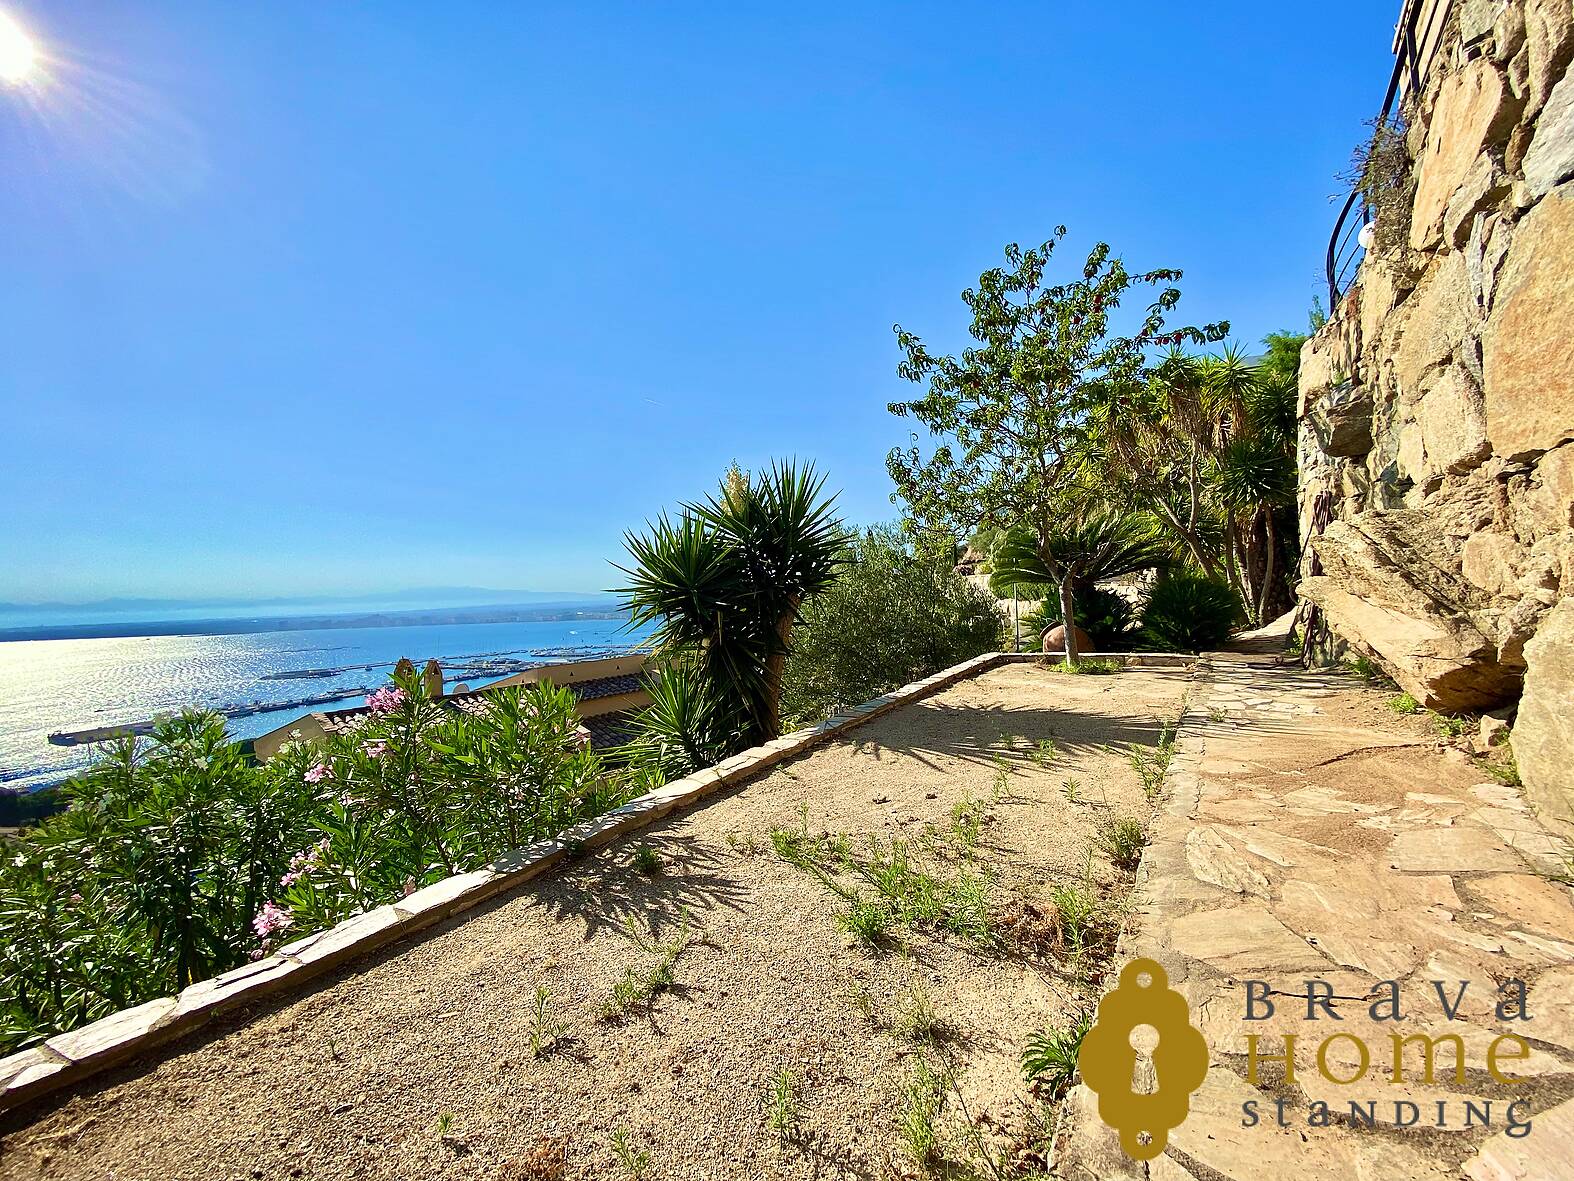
418	1063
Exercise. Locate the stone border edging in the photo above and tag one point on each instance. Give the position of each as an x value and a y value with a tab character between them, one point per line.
73	1056
1080	1144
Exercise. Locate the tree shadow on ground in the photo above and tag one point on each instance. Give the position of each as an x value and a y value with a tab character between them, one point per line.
611	892
983	734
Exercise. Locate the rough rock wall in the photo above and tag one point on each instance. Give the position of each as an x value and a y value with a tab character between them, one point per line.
1437	404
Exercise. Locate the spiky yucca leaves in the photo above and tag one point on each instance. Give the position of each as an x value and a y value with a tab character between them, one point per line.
690	724
1208	445
724	584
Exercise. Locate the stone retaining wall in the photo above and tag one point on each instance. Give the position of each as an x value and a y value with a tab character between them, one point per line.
1437	404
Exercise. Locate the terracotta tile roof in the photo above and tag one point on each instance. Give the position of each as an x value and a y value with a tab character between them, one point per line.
613	729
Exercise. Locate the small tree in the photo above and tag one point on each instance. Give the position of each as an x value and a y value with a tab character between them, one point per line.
1004	414
1096	545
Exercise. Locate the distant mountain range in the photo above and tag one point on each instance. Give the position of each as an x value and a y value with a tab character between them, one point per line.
446	596
111	618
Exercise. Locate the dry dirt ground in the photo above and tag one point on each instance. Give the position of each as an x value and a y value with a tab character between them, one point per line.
419	1063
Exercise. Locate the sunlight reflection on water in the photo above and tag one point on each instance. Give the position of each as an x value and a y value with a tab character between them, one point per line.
49	685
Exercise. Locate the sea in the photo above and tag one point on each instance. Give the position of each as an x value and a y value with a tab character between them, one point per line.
261	678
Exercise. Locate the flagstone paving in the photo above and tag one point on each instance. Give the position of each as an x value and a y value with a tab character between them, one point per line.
1312	834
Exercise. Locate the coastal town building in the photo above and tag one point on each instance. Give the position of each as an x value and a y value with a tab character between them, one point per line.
607	693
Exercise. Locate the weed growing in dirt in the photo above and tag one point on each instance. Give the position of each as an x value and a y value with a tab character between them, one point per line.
863	1001
1070	788
1404	704
781	1106
797	847
1084	924
865	921
922	1091
967	824
445	1123
635	1162
903	893
1216	713
647	860
1122	840
1368	671
1152	766
1506	772
1097	667
1449	726
742	843
1050	1059
1044	753
641	986
544	1031
917	1019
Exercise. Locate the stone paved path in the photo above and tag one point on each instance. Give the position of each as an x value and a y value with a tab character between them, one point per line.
1312	834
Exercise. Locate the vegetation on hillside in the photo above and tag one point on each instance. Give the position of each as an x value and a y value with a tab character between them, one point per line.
180	857
893	614
1056	432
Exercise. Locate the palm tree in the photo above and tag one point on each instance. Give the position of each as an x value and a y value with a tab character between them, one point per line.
724	584
1082	548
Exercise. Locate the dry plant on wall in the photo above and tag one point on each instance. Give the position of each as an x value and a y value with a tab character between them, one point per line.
1383	172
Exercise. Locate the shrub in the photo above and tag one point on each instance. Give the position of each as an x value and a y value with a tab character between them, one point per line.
1103	614
891	616
179	857
1188	613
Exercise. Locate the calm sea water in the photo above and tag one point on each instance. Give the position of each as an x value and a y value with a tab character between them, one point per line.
50	685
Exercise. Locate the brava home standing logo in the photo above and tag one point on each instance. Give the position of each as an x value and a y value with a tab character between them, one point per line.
1108	1060
1145	1115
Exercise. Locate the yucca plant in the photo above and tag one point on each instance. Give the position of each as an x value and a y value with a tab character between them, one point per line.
724	583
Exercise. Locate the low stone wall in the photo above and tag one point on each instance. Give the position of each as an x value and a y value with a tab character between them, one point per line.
70	1057
1437	404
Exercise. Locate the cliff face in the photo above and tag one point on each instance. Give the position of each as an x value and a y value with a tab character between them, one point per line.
1437	404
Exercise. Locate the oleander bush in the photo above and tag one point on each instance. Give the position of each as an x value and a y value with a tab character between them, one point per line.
179	857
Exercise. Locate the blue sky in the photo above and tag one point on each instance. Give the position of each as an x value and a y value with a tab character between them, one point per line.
328	298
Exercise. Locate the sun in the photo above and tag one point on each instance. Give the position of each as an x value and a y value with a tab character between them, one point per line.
18	54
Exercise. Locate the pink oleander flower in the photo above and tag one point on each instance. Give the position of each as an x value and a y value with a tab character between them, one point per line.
385	701
291	878
256	954
317	773
374	748
409	887
271	919
581	736
76	900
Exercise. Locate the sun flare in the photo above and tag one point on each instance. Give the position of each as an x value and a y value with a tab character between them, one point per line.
18	54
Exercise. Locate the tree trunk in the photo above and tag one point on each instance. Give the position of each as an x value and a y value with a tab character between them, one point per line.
1267	576
1068	623
770	724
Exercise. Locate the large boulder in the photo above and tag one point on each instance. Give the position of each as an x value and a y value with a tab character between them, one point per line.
1392	586
1474	111
1528	363
1543	735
